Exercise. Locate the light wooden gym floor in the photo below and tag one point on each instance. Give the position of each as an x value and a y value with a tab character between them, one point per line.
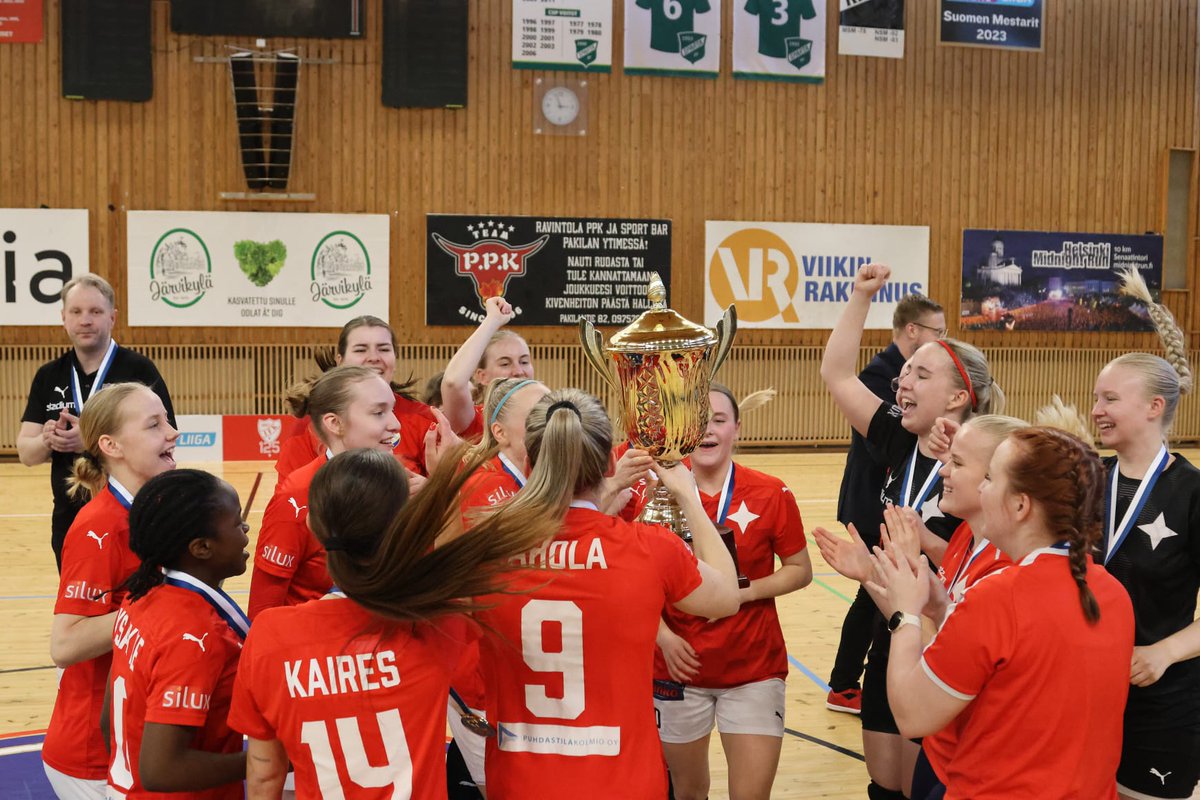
820	751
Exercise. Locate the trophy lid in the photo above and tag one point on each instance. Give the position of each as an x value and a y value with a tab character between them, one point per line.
660	328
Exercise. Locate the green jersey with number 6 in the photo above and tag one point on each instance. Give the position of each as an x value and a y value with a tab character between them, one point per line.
669	18
778	20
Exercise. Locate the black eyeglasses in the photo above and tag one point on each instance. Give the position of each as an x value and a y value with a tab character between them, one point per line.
941	332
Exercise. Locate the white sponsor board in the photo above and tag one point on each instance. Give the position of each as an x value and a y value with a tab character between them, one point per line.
199	438
562	34
227	269
40	250
799	275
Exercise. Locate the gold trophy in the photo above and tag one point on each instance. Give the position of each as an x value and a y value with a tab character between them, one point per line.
664	366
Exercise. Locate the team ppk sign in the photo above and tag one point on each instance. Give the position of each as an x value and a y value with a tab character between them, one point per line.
40	250
800	275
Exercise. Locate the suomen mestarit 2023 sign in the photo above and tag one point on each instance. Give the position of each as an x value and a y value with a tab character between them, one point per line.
1007	24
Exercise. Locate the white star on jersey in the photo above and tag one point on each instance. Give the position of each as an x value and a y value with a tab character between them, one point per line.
743	517
930	510
1157	531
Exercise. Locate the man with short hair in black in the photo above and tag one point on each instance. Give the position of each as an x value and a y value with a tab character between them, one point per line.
917	320
50	424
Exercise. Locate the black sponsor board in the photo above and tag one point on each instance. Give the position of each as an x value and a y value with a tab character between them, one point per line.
1007	24
553	270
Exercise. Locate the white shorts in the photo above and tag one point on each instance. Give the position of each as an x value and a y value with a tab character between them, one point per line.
470	744
755	708
67	787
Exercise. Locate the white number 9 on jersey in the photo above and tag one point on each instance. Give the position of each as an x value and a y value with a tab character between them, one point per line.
568	660
396	773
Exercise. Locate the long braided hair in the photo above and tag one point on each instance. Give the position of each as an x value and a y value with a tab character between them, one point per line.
1065	477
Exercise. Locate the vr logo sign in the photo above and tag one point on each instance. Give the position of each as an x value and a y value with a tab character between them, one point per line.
40	250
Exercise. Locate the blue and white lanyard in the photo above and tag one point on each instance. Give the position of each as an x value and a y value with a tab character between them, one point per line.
101	374
1116	534
965	564
123	495
906	487
512	470
222	603
1056	549
726	496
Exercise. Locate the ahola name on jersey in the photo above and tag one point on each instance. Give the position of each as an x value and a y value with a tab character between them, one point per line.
364	672
560	554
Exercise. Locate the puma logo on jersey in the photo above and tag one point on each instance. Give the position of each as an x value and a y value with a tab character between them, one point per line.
62	391
298	508
187	637
1162	776
99	539
277	557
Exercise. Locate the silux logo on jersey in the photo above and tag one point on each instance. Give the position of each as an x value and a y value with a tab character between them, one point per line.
185	697
491	260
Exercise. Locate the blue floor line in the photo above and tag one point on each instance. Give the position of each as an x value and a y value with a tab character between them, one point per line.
812	676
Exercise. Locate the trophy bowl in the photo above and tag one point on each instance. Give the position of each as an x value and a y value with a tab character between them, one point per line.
664	365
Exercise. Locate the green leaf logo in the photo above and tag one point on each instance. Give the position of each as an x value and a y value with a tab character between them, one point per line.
261	261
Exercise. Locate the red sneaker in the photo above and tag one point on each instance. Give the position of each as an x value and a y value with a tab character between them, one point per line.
848	701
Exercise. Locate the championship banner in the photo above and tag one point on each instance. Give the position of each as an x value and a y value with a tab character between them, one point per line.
800	275
1007	24
1047	281
227	269
562	34
680	38
871	28
779	40
40	250
553	270
20	21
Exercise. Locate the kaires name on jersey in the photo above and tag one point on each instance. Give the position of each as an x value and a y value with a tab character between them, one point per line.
563	554
363	672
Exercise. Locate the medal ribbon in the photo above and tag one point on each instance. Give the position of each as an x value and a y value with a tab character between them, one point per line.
1056	549
906	487
726	496
123	495
966	563
222	603
512	470
101	374
1116	534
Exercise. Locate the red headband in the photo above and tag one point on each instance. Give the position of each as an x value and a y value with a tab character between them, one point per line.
966	378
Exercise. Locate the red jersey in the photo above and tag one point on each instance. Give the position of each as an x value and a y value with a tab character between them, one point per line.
286	548
474	431
748	646
359	703
174	661
415	420
96	561
964	563
496	481
568	674
1038	674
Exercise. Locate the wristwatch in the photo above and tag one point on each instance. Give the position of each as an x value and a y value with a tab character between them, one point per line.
902	618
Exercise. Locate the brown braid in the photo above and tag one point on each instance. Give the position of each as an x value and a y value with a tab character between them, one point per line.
1065	478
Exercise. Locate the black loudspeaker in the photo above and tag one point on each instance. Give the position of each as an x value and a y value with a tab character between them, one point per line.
282	120
424	53
106	50
249	119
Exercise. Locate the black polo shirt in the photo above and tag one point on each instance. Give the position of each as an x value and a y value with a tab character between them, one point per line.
51	394
862	480
1159	565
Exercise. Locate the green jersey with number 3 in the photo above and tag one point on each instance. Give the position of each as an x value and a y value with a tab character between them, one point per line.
669	18
778	20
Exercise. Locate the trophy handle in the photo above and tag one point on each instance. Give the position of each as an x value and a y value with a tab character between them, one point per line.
726	330
593	350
